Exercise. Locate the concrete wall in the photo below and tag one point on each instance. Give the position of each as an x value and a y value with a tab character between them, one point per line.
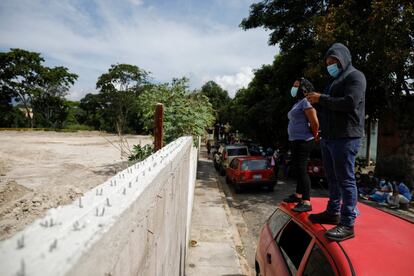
136	223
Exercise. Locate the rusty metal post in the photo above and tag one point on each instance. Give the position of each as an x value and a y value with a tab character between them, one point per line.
159	123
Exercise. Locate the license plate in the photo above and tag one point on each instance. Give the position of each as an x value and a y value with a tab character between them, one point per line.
257	176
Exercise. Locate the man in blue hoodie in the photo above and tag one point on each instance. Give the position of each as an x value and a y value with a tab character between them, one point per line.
341	110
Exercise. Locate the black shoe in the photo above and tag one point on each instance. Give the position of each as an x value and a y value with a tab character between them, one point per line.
300	207
324	218
340	233
292	198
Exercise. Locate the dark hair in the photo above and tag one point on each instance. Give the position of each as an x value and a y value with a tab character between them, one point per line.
306	86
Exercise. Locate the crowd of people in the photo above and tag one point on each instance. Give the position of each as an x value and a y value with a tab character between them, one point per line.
391	192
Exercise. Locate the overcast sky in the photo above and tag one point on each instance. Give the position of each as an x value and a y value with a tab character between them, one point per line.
197	39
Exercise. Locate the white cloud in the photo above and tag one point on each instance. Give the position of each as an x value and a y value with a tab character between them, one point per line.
89	41
232	83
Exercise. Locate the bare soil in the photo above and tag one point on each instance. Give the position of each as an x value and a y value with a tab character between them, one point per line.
40	170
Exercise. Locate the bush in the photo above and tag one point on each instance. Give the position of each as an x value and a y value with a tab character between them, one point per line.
139	153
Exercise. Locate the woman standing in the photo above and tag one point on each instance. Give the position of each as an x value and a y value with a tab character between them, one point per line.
303	131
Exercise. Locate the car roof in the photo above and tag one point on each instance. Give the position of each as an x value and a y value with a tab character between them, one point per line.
383	243
244	158
235	146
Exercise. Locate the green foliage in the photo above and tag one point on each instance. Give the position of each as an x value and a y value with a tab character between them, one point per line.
185	113
219	99
139	153
378	33
34	86
115	108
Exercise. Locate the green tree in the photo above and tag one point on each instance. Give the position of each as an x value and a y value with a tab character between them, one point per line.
19	73
218	97
23	75
50	109
185	113
119	89
378	33
92	111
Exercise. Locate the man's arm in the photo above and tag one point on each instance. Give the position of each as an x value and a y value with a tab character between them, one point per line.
353	95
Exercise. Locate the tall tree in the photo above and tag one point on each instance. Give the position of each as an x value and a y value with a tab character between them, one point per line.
19	73
50	108
378	33
119	89
185	113
218	97
22	74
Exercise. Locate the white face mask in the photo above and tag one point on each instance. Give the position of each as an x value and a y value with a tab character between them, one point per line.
294	91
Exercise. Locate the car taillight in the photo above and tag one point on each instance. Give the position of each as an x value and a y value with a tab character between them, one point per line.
245	175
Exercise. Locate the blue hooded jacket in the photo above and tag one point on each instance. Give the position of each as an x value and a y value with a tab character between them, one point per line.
342	105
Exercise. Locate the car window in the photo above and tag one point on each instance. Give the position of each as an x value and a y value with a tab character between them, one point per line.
253	165
277	221
293	242
237	151
318	264
234	164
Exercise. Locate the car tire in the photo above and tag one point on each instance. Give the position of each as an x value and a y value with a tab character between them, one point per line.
271	188
237	188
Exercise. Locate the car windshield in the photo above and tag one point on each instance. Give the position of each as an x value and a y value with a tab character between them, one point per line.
254	165
237	151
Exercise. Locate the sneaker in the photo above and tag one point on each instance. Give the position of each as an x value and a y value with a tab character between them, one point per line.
292	199
340	233
300	207
324	218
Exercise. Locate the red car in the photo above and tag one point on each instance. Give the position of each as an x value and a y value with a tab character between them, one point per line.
250	170
289	244
316	171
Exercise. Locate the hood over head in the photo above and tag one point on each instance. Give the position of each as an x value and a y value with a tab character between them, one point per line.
342	53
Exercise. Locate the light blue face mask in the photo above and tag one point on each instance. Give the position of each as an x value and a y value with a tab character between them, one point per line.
333	70
294	91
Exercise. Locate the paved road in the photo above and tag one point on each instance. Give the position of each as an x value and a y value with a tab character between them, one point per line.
253	206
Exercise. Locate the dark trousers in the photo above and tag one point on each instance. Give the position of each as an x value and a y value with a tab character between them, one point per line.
300	155
339	162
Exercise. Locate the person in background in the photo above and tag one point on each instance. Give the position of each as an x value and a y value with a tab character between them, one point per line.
208	147
274	163
368	185
302	130
385	190
400	195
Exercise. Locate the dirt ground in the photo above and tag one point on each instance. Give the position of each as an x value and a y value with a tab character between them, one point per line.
40	170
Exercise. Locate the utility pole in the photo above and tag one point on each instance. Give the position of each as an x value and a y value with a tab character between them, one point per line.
159	123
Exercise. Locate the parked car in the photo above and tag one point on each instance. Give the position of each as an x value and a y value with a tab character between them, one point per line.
225	155
256	150
250	170
316	171
315	168
289	244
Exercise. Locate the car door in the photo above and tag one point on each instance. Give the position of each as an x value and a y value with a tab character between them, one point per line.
287	251
232	169
272	260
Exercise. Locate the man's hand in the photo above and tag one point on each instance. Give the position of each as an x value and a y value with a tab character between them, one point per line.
313	97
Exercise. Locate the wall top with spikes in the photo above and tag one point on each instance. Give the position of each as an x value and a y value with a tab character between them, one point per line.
53	244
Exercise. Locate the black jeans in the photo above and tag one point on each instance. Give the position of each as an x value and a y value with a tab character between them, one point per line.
300	154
